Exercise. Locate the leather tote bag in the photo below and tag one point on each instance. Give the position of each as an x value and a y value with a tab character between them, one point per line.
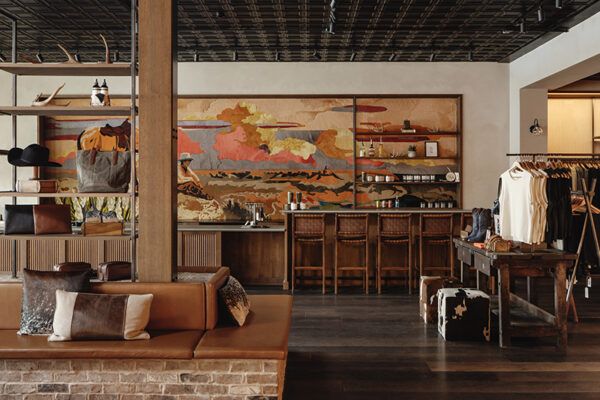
18	219
103	171
52	219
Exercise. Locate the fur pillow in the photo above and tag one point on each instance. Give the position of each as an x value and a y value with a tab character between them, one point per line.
235	300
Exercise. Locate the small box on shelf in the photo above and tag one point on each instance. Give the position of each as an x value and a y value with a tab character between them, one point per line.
102	229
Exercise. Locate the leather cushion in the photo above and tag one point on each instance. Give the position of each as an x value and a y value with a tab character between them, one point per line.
264	336
39	297
162	345
176	306
235	301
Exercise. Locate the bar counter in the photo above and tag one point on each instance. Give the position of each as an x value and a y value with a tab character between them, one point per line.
379	211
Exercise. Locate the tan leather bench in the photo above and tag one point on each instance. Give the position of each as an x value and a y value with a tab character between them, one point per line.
177	322
264	336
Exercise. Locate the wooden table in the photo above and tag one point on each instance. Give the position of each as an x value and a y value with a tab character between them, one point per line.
518	317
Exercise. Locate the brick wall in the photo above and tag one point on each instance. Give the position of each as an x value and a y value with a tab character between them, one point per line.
140	379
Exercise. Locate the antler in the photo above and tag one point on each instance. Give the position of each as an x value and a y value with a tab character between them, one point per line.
71	59
38	103
107	61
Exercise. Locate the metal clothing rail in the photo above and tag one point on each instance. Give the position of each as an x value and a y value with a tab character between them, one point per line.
554	155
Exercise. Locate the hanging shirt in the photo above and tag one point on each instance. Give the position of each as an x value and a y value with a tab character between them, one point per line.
517	209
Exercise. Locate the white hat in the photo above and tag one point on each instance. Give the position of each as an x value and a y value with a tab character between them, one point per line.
185	157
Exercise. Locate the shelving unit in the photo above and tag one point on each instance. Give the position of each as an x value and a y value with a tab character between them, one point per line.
393	141
64	194
67	69
113	111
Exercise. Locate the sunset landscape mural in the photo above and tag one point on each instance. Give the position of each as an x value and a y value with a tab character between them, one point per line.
257	149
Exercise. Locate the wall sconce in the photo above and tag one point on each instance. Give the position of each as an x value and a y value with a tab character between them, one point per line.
536	129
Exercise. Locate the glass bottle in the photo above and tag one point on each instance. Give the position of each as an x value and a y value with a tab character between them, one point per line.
371	149
380	150
104	91
361	151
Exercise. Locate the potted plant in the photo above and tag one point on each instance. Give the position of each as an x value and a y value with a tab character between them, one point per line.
412	151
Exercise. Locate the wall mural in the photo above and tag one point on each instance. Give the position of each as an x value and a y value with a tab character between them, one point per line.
234	151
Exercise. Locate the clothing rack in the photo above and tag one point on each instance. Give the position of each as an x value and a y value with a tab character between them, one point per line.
589	216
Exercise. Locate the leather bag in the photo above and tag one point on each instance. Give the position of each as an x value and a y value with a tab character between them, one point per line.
103	171
18	219
52	219
73	267
114	271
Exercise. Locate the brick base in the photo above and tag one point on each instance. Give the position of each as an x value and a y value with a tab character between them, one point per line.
141	379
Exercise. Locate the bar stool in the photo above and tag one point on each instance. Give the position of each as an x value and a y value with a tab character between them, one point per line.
436	229
308	230
394	230
352	230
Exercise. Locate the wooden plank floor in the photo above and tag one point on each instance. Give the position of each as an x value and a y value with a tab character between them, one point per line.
375	347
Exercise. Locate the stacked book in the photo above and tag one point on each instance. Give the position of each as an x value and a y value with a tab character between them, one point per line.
37	186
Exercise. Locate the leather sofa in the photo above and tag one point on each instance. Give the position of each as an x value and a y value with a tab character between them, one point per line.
184	325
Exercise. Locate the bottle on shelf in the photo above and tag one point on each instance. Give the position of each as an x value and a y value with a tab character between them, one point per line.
361	151
380	149
371	152
95	99
104	92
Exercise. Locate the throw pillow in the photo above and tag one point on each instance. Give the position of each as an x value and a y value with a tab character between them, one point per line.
39	297
87	316
235	300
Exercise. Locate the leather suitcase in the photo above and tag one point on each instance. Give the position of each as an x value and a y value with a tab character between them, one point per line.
114	271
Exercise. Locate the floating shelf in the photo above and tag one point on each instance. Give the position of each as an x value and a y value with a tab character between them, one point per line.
74	236
63	194
57	110
405	158
400	183
48	69
400	134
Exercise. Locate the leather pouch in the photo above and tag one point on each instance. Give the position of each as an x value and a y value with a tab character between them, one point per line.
114	271
18	219
72	267
52	219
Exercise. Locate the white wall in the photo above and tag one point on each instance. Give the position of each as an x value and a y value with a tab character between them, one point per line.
483	86
567	58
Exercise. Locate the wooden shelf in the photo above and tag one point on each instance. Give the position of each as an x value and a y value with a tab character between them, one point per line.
120	111
400	183
405	158
48	69
74	236
400	134
63	194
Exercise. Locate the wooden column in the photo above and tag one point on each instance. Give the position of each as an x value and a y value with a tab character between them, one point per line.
157	249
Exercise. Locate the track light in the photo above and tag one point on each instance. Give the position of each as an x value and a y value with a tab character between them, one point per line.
39	57
540	14
116	56
432	56
470	55
522	26
316	55
277	55
2	58
234	55
558	4
392	57
196	56
352	56
77	56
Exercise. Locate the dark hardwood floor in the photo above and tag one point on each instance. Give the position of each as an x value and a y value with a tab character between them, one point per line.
376	347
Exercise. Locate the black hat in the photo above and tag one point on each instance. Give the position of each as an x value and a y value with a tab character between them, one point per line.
33	155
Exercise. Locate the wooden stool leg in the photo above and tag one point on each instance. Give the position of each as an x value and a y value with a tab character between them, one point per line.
323	269
410	274
293	265
451	257
366	266
335	265
378	266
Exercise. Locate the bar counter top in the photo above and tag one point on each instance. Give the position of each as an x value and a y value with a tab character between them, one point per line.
238	227
380	211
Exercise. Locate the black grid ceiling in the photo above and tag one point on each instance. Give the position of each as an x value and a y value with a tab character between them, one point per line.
257	30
